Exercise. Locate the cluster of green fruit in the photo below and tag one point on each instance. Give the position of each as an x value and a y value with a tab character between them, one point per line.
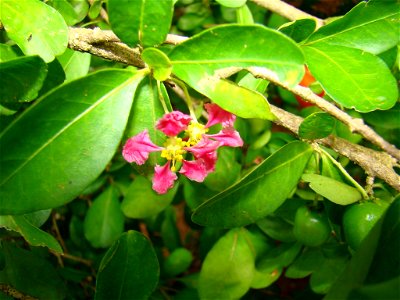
312	227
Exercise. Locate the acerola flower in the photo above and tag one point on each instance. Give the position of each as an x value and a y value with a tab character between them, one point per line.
195	141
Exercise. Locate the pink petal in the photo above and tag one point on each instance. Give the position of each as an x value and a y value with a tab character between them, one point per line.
138	147
217	115
163	178
203	147
209	161
228	137
194	170
173	123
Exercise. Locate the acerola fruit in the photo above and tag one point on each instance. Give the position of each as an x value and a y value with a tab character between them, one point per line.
307	81
358	220
311	228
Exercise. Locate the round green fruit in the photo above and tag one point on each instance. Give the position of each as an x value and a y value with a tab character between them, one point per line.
310	228
358	220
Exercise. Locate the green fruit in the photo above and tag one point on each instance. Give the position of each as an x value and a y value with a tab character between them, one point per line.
358	220
310	227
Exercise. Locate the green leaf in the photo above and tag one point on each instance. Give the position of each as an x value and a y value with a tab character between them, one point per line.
277	228
299	30
259	193
8	52
104	221
177	262
202	61
363	28
33	235
73	11
73	133
75	64
228	268
129	269
232	3
159	63
141	201
317	126
344	72
388	119
333	190
244	16
307	262
140	22
22	78
42	31
31	274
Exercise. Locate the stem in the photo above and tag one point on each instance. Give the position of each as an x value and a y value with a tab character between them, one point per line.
162	100
187	98
344	172
10	291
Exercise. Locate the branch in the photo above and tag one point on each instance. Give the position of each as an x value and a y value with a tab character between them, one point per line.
10	291
288	11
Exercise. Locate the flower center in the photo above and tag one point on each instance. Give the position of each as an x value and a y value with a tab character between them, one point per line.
195	132
173	150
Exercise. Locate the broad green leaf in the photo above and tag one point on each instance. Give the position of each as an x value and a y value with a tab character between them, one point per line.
158	62
33	235
36	27
31	274
55	77
372	27
104	221
299	30
8	52
141	201
22	78
280	256
316	126
333	190
75	64
129	269
204	59
383	290
259	193
228	269
141	21
306	263
277	228
266	276
388	119
352	77
73	11
232	3
95	8
63	142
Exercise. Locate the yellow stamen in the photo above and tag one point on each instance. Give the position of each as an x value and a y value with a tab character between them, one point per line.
195	132
173	151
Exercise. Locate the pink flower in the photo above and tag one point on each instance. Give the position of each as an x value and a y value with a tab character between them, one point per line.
173	123
228	137
194	170
163	178
217	115
138	147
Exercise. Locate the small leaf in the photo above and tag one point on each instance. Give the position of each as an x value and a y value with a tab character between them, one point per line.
244	16
158	62
277	228
259	193
316	126
352	77
299	30
22	78
141	201
75	64
104	221
42	31
307	262
33	235
333	190
228	268
232	3
129	269
177	262
362	28
140	22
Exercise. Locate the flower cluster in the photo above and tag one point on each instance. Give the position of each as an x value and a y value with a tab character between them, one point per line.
184	136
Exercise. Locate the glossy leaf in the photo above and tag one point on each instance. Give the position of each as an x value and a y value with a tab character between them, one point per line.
73	11
8	52
316	126
355	79
141	201
259	193
75	64
42	31
129	269
333	190
33	235
228	269
22	78
299	30
73	133
307	262
158	62
31	274
388	119
277	228
362	27
140	22
104	221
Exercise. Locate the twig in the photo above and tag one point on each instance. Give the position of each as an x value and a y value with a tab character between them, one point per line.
288	11
77	259
10	291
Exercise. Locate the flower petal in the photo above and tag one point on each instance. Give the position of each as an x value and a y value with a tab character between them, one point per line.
217	115
203	147
228	137
138	147
194	170
163	178
173	123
